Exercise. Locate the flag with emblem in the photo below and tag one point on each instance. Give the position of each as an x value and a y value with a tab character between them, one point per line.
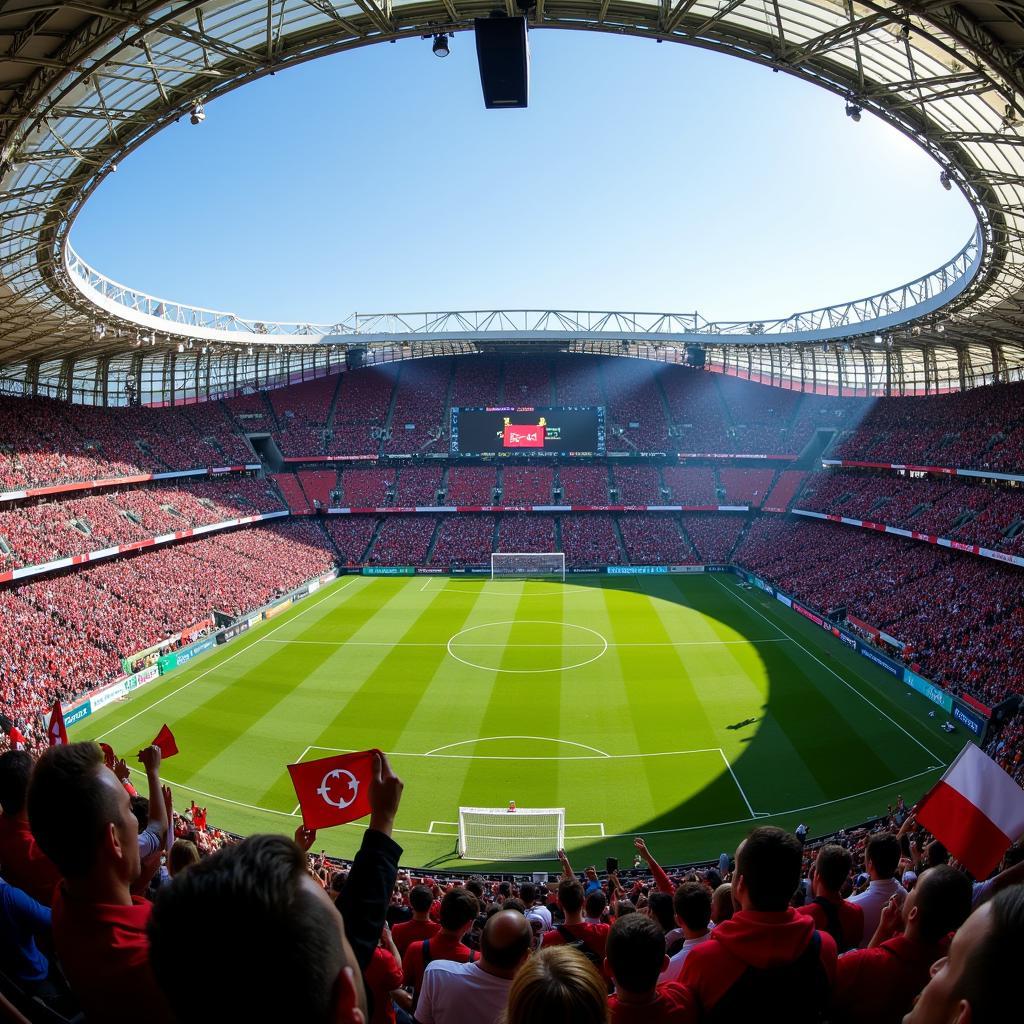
334	790
57	732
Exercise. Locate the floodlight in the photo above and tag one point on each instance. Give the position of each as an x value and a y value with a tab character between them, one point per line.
198	114
853	111
945	181
440	46
878	339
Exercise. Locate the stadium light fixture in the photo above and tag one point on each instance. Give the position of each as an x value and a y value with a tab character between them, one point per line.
945	180
440	47
878	339
853	111
198	113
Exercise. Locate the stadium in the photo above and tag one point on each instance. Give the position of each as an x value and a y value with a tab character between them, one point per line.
583	576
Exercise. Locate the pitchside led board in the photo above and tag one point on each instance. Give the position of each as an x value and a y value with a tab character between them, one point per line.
566	430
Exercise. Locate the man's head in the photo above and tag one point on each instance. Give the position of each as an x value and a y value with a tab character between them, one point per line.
768	864
832	867
978	982
692	906
721	903
15	771
636	953
596	903
938	904
421	899
570	896
882	855
81	815
458	910
528	893
252	913
661	911
505	942
183	855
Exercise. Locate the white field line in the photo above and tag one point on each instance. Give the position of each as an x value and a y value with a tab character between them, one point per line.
230	657
510	757
426	583
832	671
490	739
472	643
743	794
299	761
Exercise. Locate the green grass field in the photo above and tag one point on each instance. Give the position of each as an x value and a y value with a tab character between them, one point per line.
682	708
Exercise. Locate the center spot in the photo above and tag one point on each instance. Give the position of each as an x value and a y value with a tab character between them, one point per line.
531	645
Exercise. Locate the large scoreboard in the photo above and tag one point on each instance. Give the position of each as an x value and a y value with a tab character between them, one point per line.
574	431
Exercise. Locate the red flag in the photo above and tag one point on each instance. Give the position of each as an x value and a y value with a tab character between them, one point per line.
108	755
333	790
58	734
17	738
165	741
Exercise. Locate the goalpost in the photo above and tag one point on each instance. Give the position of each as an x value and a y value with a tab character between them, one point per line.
524	565
498	833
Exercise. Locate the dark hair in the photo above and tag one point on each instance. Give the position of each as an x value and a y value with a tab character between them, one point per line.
68	807
883	850
514	903
458	908
662	909
505	956
692	905
596	902
15	771
183	854
570	895
833	865
770	860
140	808
504	889
943	902
241	935
421	899
476	886
991	970
636	952
528	893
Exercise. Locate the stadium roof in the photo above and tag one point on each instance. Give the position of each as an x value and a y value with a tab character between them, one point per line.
83	84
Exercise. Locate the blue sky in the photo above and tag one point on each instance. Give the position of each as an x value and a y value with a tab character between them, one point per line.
642	177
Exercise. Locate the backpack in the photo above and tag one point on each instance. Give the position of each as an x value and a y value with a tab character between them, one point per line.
580	945
798	992
833	925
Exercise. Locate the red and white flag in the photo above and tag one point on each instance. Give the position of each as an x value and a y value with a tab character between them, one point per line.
56	730
333	790
975	810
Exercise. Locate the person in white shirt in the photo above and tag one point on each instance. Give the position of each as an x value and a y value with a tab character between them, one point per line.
477	993
881	858
692	904
530	895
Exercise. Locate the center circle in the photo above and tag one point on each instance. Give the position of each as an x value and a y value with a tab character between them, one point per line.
548	643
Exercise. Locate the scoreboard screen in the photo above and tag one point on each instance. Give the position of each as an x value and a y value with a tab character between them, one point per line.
567	430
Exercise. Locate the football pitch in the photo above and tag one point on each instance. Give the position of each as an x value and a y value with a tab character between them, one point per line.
683	708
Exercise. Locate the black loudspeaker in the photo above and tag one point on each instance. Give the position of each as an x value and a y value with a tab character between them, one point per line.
695	355
354	358
504	58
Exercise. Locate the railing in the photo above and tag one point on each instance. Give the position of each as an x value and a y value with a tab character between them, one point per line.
886	311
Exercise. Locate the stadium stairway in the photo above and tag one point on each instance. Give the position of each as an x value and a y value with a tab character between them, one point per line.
621	541
428	558
333	407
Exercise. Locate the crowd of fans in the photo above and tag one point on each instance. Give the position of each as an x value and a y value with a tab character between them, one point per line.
590	540
73	629
118	905
43	530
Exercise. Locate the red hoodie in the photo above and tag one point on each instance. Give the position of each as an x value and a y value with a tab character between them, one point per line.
751	939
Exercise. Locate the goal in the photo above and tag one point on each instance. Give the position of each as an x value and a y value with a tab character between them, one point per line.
497	833
513	565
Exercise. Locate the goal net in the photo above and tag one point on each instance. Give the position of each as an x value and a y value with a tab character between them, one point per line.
497	833
511	565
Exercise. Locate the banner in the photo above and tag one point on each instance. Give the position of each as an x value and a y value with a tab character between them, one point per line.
76	714
107	695
924	686
882	661
389	570
976	704
967	717
636	570
687	568
277	609
232	631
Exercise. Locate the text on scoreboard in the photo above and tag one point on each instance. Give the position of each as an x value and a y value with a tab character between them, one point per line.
571	430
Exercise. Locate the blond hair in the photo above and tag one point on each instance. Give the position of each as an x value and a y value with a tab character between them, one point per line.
557	985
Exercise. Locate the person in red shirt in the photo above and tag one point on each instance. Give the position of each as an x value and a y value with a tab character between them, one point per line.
24	865
82	818
589	938
421	899
843	920
383	976
879	984
636	956
458	912
766	945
